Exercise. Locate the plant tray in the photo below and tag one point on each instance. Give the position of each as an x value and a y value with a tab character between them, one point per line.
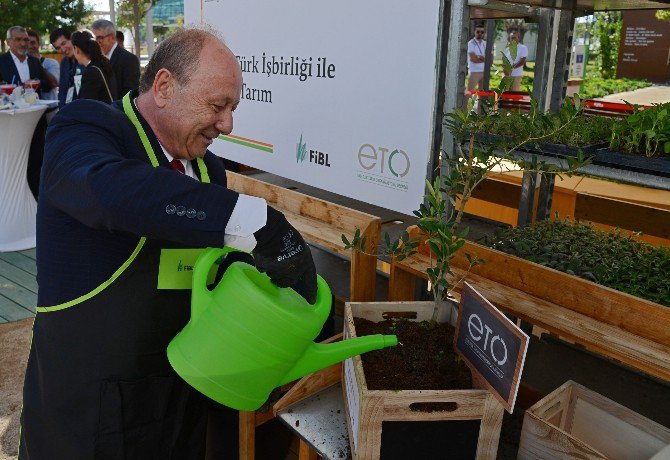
545	148
638	163
368	410
575	422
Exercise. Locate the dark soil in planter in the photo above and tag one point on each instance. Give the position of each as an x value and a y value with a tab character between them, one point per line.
426	360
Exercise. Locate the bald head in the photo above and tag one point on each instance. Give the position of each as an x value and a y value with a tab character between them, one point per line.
180	54
189	91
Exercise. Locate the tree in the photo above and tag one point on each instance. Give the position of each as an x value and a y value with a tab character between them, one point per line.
131	13
40	15
608	31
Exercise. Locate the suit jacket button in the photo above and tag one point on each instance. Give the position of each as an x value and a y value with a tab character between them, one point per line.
181	211
190	213
170	209
201	215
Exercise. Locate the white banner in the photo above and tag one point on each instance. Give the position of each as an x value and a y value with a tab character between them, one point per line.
337	95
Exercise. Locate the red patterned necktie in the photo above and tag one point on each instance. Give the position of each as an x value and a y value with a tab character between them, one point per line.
178	166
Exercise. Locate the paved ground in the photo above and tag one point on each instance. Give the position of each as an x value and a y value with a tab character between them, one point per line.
644	96
14	343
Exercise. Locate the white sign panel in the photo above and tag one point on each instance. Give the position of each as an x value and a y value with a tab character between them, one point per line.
337	95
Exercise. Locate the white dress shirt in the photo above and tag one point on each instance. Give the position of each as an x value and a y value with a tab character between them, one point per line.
111	51
248	216
22	67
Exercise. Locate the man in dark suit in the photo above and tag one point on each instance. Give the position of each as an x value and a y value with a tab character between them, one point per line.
124	186
17	66
125	64
60	39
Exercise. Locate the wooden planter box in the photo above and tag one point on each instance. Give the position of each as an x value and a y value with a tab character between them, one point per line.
629	329
575	422
368	409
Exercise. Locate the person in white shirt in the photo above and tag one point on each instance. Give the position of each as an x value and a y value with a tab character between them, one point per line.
476	58
518	62
51	66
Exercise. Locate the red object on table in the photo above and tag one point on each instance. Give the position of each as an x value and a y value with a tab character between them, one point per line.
33	84
7	89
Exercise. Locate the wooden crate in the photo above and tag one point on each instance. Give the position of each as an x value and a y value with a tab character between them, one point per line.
367	409
575	422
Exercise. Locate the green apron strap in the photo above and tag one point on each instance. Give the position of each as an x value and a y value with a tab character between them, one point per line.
130	113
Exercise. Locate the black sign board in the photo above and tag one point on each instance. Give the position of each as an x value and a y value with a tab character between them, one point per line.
491	345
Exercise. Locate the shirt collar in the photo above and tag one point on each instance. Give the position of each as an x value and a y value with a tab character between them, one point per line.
17	60
109	55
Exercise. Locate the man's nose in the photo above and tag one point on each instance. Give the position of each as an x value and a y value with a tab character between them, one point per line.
225	123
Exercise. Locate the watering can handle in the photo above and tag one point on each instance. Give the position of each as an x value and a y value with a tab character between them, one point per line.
200	295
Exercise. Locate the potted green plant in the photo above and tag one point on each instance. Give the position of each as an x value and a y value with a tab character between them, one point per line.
640	142
439	220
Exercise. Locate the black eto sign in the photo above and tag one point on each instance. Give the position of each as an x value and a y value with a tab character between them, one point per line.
491	345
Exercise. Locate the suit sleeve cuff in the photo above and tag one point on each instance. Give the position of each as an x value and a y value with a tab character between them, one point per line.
248	216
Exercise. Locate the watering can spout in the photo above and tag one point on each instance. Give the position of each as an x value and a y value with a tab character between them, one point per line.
320	355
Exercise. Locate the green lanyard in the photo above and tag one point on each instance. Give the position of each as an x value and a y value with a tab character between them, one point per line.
130	113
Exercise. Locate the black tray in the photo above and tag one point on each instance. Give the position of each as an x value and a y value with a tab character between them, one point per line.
545	148
659	166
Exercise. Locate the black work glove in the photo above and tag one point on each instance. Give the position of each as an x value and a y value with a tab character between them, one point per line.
282	253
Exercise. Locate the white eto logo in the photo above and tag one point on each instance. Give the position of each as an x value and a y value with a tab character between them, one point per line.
397	161
495	347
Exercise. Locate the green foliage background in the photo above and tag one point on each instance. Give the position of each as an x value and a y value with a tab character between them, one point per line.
41	15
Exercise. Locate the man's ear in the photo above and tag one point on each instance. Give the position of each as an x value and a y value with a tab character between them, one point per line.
163	87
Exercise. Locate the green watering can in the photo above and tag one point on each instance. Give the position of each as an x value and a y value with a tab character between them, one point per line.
248	336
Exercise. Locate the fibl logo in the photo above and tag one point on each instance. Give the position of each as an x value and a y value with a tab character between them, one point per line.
315	157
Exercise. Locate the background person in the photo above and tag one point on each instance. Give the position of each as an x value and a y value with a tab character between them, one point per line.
60	40
518	63
50	65
125	64
476	60
18	66
123	184
120	39
97	80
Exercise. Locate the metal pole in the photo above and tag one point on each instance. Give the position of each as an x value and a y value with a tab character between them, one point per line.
440	90
455	75
566	25
490	41
545	199
149	32
527	198
456	67
545	29
112	13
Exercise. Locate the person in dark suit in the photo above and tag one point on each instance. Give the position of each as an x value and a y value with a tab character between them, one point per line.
125	64
17	66
122	186
69	68
97	80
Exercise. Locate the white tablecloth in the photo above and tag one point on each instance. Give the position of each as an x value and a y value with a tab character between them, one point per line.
17	205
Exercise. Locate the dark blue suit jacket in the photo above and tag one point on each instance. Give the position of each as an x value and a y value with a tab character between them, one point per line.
67	69
8	71
99	194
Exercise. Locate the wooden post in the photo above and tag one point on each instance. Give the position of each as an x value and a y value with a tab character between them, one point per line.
247	435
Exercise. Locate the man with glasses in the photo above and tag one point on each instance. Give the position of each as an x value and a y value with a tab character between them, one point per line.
476	58
17	66
125	64
22	69
60	39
